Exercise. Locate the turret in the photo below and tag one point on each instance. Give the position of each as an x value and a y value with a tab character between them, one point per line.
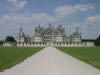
39	26
60	26
21	36
50	27
77	29
76	37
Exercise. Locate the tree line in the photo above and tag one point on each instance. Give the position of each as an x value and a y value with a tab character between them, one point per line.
97	41
8	39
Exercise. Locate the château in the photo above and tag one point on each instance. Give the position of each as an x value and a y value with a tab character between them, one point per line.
51	36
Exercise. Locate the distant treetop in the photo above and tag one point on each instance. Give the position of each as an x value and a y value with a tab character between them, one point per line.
97	42
10	39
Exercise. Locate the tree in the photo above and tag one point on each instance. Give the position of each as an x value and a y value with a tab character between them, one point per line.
1	42
10	39
97	42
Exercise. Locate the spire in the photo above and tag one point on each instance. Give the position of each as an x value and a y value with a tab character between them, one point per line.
77	29
60	25
49	25
39	26
21	29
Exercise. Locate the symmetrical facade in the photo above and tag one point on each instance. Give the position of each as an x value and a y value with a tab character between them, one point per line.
51	36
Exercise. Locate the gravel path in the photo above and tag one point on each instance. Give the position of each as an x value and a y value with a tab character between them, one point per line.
51	61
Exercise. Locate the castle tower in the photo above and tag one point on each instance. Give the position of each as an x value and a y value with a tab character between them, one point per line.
21	36
38	34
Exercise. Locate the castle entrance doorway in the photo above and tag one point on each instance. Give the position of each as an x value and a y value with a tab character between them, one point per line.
49	44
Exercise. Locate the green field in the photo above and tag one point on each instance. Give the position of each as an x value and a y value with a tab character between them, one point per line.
90	55
10	56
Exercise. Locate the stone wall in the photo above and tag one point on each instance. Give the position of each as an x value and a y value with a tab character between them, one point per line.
9	44
83	44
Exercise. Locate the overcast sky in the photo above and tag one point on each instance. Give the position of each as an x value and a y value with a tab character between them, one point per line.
84	14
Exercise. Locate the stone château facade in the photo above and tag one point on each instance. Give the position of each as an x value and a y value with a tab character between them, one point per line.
51	36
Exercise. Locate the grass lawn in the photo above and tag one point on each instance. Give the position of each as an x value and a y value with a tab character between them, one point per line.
10	56
90	55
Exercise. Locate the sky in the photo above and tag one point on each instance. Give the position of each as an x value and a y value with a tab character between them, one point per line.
84	14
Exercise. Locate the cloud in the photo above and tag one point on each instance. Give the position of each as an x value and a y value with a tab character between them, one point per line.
43	18
18	4
94	20
84	7
63	11
84	1
11	22
13	1
90	27
89	22
18	19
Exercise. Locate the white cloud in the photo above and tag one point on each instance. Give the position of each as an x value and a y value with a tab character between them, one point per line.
35	18
94	20
13	1
84	7
9	24
18	4
43	17
63	11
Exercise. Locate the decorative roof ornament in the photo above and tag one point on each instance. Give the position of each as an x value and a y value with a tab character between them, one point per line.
49	25
21	29
77	29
